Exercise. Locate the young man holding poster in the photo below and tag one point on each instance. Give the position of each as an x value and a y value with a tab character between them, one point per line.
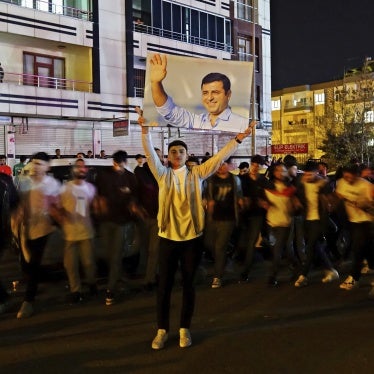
181	222
215	92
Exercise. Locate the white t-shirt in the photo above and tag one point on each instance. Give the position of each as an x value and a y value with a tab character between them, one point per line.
356	196
40	197
279	212
312	197
76	200
180	227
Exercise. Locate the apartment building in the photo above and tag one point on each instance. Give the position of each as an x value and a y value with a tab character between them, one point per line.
74	70
301	115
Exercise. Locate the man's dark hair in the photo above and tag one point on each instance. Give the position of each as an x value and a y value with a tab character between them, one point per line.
289	161
311	166
22	158
40	156
176	143
193	159
243	165
353	169
120	156
258	159
138	156
214	77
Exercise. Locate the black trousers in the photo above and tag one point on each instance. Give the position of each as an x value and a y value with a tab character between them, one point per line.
362	246
171	254
315	246
31	270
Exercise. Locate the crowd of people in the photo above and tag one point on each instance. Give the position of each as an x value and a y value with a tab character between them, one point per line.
187	208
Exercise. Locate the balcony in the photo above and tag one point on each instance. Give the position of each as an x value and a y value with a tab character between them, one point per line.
145	29
302	105
55	7
49	82
243	56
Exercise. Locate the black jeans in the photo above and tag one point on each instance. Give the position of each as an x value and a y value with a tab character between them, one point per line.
31	270
315	246
171	253
278	237
362	246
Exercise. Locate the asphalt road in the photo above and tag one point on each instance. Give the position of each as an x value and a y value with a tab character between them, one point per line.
248	328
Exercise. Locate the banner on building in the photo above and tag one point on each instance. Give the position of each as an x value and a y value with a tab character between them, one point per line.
202	93
121	128
289	148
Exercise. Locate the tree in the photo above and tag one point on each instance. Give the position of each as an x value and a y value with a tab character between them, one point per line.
348	126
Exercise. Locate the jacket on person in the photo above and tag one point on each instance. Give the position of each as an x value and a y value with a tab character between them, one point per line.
195	177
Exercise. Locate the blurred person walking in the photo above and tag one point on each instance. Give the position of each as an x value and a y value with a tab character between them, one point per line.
39	200
76	198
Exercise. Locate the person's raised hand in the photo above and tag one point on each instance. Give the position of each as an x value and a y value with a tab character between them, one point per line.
141	120
158	66
248	131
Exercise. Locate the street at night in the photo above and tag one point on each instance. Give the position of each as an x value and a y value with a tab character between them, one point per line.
240	328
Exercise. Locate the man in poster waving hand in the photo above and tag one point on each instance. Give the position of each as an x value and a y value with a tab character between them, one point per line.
215	97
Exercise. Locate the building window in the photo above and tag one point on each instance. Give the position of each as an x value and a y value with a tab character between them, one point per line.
72	8
275	104
369	116
245	9
245	50
169	20
319	98
43	70
139	82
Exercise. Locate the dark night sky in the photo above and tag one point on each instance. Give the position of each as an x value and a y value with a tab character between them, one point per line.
313	41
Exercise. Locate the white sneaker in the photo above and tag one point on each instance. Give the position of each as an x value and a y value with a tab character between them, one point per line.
26	310
217	283
302	281
330	276
349	284
160	339
184	338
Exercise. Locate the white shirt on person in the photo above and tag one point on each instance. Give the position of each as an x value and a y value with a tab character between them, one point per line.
40	196
181	117
280	208
356	197
181	225
312	196
76	200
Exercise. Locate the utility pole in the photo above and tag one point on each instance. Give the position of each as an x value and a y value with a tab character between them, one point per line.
253	109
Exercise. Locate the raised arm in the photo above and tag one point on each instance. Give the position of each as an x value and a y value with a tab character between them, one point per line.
212	164
158	73
153	160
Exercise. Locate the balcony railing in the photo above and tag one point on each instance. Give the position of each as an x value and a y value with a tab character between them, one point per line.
50	7
298	105
243	56
150	30
48	82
